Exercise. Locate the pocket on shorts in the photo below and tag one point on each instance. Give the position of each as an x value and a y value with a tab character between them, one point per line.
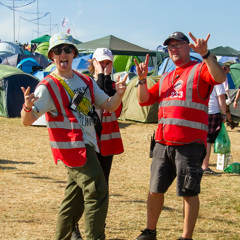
192	180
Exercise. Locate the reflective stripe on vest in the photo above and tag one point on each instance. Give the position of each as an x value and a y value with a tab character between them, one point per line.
111	142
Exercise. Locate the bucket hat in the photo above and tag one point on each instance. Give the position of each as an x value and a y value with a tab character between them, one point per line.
61	38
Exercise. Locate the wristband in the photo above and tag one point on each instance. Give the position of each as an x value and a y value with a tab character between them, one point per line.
26	109
141	78
207	55
141	81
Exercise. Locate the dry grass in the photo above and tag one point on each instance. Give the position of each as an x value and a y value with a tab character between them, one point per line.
32	188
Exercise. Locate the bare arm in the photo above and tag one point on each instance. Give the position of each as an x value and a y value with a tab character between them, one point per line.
112	103
200	46
26	113
236	99
222	104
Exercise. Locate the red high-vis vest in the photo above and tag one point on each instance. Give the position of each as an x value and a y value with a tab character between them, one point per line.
65	134
182	114
111	141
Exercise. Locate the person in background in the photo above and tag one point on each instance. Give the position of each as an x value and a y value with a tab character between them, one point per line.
110	143
66	98
230	122
235	105
181	136
216	115
110	138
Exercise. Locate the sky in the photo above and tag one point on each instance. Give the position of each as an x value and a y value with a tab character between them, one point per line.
146	23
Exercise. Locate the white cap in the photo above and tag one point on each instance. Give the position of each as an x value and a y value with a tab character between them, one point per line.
102	54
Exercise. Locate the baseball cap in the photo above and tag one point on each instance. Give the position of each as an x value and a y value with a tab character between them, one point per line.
102	54
176	36
61	38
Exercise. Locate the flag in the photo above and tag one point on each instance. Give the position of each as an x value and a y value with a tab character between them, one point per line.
64	21
68	31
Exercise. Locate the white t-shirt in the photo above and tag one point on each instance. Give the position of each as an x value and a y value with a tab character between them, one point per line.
213	105
45	104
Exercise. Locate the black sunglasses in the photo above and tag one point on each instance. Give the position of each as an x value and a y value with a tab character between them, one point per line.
58	50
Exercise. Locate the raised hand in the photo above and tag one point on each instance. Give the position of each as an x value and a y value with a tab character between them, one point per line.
121	85
108	69
28	97
200	45
142	68
97	66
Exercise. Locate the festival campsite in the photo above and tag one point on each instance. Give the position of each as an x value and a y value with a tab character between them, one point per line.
32	186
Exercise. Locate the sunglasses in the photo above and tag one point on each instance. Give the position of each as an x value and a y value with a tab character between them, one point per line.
58	50
176	46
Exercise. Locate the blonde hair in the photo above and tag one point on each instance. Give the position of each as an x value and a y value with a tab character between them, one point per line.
91	68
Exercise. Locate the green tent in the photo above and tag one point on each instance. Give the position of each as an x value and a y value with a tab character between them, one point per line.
44	38
131	108
11	95
225	51
42	48
235	73
116	45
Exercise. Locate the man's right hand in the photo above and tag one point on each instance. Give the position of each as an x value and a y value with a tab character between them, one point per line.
29	98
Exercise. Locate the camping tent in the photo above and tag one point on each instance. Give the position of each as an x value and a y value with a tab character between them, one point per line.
11	95
235	74
131	108
8	49
225	51
29	65
15	59
42	48
117	46
44	38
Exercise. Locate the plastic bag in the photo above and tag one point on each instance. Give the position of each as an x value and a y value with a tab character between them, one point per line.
222	143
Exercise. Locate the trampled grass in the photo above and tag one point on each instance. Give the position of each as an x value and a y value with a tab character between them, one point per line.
32	189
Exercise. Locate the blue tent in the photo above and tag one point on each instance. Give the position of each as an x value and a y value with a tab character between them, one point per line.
81	63
29	65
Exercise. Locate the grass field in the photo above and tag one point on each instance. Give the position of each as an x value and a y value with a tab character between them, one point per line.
32	188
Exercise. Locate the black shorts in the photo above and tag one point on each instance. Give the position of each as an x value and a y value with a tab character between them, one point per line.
183	162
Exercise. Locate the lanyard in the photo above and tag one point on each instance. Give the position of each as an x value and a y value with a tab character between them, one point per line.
83	105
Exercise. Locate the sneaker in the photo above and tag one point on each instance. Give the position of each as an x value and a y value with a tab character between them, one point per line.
147	235
233	124
208	171
76	235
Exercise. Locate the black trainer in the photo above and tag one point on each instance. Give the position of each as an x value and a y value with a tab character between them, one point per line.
147	235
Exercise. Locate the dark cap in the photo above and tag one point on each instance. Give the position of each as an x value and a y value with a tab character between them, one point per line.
176	36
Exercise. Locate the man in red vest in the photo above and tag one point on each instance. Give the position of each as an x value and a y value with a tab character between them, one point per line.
181	136
66	97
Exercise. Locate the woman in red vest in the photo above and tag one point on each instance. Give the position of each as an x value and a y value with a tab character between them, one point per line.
110	139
